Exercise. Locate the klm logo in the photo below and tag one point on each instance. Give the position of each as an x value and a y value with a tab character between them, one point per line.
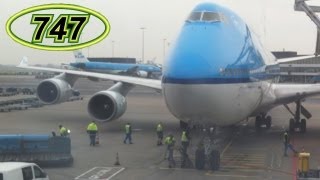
79	55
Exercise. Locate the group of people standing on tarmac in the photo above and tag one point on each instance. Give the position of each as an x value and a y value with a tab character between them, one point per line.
170	141
92	130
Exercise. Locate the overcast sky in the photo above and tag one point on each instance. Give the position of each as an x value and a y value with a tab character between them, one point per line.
275	21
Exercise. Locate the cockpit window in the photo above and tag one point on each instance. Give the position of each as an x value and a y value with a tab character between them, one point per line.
205	16
211	16
195	16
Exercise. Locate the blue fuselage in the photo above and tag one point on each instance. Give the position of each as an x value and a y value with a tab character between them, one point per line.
217	66
114	67
214	48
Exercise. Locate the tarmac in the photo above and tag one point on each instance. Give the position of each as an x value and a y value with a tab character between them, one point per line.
245	154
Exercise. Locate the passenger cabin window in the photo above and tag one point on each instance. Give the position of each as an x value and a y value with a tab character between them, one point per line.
27	173
205	16
1	176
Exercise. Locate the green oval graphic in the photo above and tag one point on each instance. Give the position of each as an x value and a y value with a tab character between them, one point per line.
71	47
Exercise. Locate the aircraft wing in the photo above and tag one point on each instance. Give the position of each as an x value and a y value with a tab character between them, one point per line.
287	93
293	59
151	83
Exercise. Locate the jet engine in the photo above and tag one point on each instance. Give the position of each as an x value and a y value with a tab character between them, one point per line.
107	105
142	74
52	91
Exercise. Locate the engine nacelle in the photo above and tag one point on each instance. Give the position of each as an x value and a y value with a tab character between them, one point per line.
52	91
142	74
107	105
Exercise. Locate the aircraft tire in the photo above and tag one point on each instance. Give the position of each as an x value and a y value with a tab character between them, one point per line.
268	122
291	125
200	159
258	123
303	126
214	160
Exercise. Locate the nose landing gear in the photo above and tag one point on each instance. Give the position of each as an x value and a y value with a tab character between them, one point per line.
262	119
207	152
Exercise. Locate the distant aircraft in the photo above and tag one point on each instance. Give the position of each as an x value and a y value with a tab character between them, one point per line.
139	70
217	74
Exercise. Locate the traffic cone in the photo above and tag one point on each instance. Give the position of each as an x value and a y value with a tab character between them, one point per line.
117	163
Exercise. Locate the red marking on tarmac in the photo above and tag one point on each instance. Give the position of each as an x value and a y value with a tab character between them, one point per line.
294	164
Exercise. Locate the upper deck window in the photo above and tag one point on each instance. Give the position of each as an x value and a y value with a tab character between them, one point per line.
205	16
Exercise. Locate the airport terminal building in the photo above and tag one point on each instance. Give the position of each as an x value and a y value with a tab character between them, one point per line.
300	71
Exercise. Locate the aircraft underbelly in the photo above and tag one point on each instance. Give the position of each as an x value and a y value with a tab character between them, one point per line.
219	104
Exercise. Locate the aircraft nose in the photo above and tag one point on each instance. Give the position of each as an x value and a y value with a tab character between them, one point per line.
188	65
198	54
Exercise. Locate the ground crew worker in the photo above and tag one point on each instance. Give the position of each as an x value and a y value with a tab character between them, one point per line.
184	144
92	130
128	132
159	134
170	141
63	131
286	143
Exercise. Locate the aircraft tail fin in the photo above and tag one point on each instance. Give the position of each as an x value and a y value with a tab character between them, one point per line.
80	57
24	61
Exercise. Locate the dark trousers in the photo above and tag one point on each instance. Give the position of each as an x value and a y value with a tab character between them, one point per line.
184	153
160	137
171	161
286	146
92	139
128	137
184	147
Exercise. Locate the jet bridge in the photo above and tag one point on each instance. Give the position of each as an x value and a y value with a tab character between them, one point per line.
301	5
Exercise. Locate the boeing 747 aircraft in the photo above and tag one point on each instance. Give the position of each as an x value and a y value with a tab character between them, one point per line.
139	70
217	74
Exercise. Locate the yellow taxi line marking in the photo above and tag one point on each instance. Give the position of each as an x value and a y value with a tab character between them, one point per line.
243	166
234	175
180	169
252	158
242	170
227	147
246	154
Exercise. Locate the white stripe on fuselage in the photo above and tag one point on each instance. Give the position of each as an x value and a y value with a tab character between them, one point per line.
219	104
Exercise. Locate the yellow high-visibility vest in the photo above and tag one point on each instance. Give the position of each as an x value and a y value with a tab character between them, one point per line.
63	131
169	140
127	128
184	137
92	127
284	137
159	128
